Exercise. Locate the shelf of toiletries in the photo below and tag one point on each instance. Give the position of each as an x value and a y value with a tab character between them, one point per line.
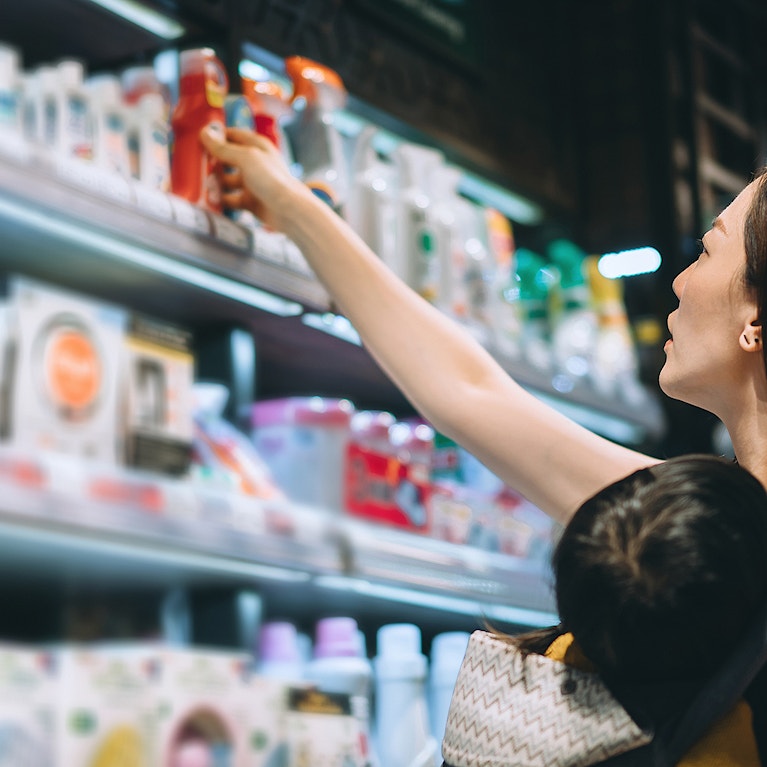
82	208
65	513
68	194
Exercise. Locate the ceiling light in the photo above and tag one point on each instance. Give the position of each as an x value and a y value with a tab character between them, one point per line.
157	23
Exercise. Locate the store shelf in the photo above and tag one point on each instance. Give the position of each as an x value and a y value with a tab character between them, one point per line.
77	215
73	226
62	517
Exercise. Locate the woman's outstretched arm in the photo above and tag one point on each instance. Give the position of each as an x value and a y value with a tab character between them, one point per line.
448	377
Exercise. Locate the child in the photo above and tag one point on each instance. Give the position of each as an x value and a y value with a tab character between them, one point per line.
658	576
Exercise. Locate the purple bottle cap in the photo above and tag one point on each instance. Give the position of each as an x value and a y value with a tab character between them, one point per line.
337	638
278	642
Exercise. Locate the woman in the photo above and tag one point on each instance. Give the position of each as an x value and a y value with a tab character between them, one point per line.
715	358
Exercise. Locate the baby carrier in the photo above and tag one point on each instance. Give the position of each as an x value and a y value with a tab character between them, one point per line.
512	709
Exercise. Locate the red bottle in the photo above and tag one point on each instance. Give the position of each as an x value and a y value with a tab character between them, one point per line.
203	86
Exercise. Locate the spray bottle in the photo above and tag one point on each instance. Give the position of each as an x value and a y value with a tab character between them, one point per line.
203	87
271	109
416	231
317	143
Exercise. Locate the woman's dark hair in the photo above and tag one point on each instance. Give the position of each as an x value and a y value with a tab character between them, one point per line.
755	240
658	574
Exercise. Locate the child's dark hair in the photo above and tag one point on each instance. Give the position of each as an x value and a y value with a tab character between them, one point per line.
658	574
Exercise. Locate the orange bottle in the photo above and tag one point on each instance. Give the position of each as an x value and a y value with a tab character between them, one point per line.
203	85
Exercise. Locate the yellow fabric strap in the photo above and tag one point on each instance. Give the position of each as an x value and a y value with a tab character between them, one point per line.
729	743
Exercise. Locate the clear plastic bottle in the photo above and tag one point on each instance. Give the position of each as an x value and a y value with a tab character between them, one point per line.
402	717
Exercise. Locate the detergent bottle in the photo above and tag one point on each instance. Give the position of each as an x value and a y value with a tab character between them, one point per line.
371	210
534	286
317	144
416	230
574	326
615	369
203	86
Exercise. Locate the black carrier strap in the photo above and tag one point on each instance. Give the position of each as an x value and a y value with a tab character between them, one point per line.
743	675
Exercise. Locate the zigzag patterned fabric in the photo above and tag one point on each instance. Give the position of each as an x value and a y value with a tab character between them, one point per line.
509	710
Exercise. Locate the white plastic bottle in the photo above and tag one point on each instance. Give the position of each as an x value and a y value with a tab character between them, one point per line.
10	101
340	664
402	717
149	141
416	230
69	129
371	210
109	123
447	651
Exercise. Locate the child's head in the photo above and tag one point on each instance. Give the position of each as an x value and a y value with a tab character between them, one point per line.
658	574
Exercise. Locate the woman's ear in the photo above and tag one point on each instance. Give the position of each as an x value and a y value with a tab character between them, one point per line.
751	339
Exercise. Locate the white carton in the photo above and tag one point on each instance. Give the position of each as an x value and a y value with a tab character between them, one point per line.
26	707
104	707
265	734
201	706
66	371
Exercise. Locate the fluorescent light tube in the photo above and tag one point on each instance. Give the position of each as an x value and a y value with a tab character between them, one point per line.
157	23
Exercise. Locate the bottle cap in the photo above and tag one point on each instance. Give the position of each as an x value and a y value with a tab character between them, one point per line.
70	73
278	643
399	652
106	89
337	638
9	66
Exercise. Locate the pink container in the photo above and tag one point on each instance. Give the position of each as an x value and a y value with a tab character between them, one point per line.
303	441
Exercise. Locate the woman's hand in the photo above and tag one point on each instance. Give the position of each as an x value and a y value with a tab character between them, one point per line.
254	175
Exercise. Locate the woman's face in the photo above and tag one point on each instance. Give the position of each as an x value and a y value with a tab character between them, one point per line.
704	357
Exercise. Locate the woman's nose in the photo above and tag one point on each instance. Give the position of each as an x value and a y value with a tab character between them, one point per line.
680	281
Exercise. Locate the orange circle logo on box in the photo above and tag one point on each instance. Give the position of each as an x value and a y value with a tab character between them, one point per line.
73	369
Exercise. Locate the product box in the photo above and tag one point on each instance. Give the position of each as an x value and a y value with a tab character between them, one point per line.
389	482
265	702
67	360
202	712
322	730
158	398
104	707
27	689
